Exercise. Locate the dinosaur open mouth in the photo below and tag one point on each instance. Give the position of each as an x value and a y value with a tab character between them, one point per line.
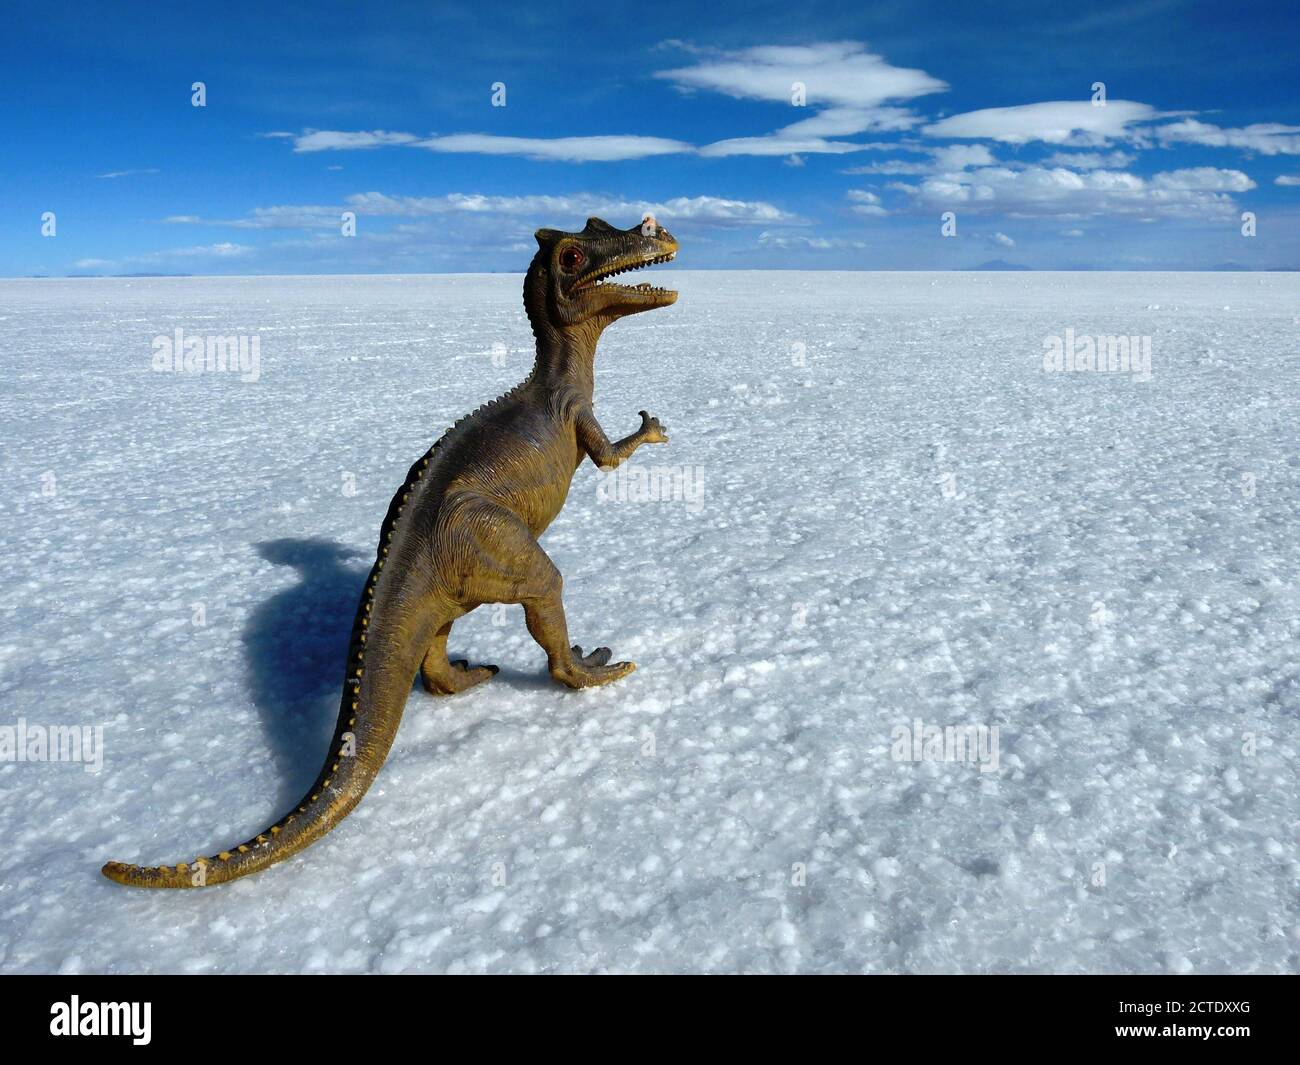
600	278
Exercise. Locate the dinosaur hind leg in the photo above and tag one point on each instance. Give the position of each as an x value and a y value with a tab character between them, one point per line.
447	678
545	616
513	568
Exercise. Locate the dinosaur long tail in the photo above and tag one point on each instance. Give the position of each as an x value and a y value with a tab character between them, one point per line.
368	718
383	655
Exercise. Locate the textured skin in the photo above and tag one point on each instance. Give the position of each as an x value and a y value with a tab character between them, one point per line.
462	531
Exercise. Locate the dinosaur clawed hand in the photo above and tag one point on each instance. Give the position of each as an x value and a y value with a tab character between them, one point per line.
652	430
591	671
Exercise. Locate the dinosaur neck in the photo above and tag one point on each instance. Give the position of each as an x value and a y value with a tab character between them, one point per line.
568	357
565	355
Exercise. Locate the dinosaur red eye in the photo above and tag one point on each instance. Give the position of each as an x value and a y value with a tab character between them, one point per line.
571	258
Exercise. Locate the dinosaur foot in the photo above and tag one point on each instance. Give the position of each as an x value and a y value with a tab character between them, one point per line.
457	678
591	671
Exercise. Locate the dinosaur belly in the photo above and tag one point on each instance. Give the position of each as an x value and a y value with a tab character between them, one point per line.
525	467
541	500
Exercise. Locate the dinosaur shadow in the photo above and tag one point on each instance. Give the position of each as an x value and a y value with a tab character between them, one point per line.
295	645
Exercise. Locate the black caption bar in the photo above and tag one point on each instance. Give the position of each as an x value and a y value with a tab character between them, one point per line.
143	1014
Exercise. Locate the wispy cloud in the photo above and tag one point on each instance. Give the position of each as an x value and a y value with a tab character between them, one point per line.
288	217
1205	178
130	173
703	210
951	157
333	140
786	241
605	149
602	149
1090	160
835	74
848	89
1056	192
1266	138
197	252
778	144
865	203
708	210
1079	123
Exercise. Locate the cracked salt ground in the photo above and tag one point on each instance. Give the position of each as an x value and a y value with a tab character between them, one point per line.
918	522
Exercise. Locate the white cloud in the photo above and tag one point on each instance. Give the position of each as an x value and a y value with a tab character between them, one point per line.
844	86
558	149
321	140
777	144
706	210
892	167
1004	240
865	203
951	157
295	217
1058	192
809	135
1204	177
1089	160
1069	122
836	74
1287	179
224	250
798	240
129	173
1266	138
962	156
601	149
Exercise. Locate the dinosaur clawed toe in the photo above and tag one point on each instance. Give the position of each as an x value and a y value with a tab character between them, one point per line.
591	671
598	657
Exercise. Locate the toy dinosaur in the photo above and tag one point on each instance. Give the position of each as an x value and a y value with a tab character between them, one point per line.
462	531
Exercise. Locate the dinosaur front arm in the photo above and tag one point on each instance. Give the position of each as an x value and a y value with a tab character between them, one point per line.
608	455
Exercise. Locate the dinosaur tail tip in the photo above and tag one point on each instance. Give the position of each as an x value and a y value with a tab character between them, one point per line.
149	876
122	873
115	871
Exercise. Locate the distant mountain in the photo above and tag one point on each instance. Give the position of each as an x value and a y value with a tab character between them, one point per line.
1000	264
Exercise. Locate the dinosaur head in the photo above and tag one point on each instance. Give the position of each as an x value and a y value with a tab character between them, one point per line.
571	273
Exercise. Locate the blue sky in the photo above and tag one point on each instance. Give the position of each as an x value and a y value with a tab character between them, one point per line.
909	110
